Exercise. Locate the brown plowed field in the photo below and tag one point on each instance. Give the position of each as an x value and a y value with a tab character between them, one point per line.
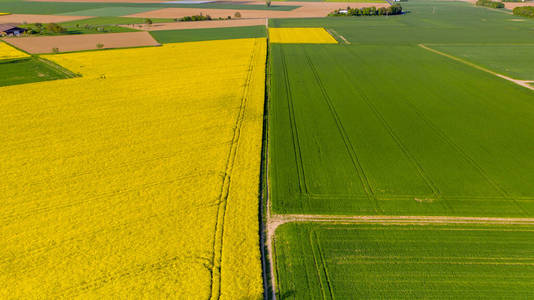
307	10
21	18
67	43
194	25
512	5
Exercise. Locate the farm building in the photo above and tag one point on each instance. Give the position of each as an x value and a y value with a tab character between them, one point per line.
10	30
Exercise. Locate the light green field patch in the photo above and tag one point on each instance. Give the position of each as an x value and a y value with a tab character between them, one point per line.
404	261
514	60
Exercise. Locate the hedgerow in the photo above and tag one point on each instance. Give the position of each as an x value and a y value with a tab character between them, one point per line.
525	11
489	3
394	9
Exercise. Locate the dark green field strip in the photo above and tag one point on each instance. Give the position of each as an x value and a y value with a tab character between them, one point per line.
426	22
374	133
115	8
206	34
113	21
510	60
31	70
405	261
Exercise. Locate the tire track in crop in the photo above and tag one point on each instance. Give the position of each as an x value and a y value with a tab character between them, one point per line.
140	269
348	145
323	263
435	190
301	176
216	260
444	137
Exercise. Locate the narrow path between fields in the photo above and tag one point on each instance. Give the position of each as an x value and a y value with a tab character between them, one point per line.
523	83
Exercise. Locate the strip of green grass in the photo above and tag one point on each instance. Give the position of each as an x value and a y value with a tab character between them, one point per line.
404	262
31	70
114	21
511	60
206	34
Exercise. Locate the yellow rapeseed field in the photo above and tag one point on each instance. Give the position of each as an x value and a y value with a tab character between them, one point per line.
8	52
138	179
300	36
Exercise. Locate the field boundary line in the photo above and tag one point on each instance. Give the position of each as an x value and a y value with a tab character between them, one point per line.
523	83
335	33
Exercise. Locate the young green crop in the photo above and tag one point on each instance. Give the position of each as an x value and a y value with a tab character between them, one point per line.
404	261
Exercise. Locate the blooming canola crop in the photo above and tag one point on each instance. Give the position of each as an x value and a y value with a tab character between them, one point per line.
300	36
139	178
8	52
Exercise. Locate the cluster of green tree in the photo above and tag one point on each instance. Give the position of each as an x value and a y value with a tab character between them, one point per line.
525	11
489	3
200	17
394	9
50	28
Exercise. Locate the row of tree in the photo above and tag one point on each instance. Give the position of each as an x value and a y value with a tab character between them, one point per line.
394	9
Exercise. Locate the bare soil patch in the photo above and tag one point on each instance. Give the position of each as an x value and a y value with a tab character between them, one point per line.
196	25
67	43
22	18
512	5
307	10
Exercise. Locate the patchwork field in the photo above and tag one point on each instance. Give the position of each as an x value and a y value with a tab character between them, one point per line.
375	261
121	182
